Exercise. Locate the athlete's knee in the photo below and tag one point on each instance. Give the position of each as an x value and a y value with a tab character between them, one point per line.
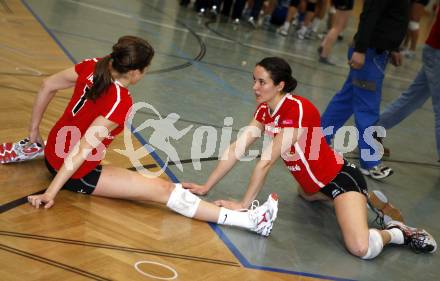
374	246
167	186
183	201
358	248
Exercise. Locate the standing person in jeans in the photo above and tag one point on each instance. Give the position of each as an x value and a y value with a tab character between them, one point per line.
425	85
382	27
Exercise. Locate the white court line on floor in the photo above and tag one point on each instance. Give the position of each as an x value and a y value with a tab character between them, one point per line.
136	266
20	68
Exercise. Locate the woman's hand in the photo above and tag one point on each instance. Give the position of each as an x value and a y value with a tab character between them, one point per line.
45	198
196	188
230	204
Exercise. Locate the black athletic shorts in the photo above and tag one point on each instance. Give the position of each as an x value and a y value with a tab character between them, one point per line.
295	3
343	5
85	185
349	178
421	2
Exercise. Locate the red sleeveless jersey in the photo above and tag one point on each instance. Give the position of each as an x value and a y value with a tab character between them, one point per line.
114	104
310	160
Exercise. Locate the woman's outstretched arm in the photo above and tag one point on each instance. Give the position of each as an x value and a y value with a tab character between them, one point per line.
59	81
229	157
280	145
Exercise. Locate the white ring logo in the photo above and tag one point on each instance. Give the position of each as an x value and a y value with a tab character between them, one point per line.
136	266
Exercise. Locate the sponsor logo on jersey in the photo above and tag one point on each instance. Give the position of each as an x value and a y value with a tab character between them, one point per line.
287	122
271	129
294	168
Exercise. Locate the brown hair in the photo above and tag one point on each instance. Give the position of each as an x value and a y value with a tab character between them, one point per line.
129	53
279	70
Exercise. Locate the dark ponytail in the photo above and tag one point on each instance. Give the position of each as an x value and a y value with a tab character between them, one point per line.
279	71
102	78
129	53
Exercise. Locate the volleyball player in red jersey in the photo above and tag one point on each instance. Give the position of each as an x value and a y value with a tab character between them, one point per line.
94	116
293	123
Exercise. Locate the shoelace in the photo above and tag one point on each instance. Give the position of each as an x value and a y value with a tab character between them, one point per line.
24	141
417	242
379	220
255	204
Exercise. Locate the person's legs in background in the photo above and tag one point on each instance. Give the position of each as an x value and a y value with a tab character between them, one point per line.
339	109
412	36
367	91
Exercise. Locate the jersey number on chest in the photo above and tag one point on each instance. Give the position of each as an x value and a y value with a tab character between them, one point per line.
82	100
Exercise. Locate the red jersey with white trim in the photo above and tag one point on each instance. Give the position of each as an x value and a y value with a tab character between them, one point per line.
310	160
114	104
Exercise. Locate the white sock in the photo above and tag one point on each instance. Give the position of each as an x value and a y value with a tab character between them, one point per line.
234	218
396	236
286	25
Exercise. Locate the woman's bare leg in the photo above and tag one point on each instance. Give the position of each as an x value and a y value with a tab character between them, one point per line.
340	20
120	183
417	11
124	184
351	213
313	197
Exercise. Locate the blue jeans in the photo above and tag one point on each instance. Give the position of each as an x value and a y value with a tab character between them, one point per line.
425	85
361	96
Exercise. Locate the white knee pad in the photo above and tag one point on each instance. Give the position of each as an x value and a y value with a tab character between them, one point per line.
375	245
413	25
183	201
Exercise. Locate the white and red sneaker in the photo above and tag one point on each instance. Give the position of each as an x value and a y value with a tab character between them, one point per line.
418	239
20	151
265	215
